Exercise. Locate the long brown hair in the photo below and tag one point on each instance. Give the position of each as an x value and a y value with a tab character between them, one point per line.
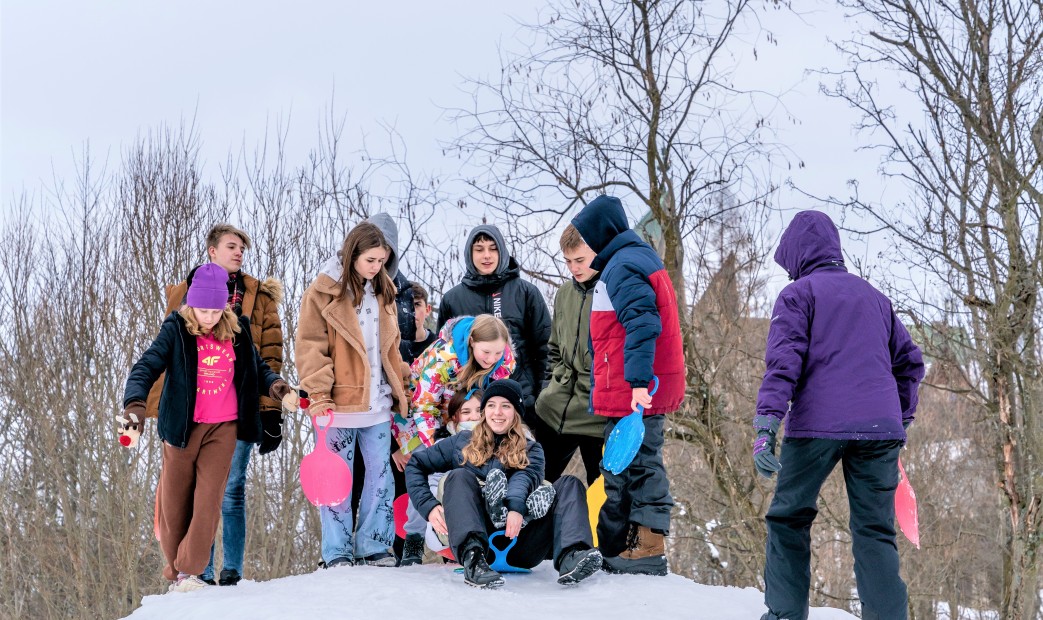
226	329
512	451
486	328
360	239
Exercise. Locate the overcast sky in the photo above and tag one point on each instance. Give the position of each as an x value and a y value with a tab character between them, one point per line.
75	71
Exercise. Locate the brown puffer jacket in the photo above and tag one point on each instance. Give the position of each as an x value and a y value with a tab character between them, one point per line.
331	353
261	304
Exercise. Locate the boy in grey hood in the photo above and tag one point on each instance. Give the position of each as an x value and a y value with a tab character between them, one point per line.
491	285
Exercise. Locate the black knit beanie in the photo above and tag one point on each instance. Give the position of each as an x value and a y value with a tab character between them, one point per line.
507	388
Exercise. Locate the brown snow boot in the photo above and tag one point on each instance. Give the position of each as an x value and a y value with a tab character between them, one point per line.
645	554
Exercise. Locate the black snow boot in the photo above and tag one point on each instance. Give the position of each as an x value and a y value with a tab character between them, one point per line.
477	572
229	577
412	550
578	564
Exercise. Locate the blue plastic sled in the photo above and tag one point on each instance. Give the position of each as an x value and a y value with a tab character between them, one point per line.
624	442
500	564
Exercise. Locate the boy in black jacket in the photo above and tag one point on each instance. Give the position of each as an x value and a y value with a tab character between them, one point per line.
492	286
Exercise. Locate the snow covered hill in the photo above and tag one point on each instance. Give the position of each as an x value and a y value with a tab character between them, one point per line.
433	592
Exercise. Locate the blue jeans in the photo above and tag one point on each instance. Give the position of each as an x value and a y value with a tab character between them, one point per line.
233	513
376	529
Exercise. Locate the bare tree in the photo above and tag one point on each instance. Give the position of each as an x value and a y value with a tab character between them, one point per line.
972	221
81	296
635	98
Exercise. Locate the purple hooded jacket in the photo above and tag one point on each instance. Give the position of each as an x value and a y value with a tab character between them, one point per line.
839	360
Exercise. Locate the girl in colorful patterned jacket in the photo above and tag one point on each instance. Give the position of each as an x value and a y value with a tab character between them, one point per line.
470	352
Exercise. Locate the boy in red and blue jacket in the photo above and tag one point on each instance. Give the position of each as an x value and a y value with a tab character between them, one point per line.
634	328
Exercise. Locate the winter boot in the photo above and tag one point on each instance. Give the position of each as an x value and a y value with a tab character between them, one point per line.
577	565
645	554
495	492
477	572
412	550
539	502
229	577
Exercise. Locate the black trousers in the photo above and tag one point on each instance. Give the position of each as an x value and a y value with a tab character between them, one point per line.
566	525
871	476
559	448
639	494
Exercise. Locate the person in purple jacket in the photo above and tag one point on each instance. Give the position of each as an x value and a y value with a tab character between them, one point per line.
843	371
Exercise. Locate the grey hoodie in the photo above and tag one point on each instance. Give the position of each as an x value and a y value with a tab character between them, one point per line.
387	226
501	245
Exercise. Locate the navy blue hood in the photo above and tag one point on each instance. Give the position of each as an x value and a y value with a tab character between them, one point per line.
603	226
810	241
601	221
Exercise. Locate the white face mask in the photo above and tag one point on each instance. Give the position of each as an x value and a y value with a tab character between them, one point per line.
467	425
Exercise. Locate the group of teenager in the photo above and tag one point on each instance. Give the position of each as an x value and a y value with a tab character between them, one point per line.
478	419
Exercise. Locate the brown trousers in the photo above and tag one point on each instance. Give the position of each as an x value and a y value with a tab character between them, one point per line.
188	500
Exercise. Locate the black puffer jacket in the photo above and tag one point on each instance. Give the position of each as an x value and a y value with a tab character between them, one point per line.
519	303
174	352
406	317
448	454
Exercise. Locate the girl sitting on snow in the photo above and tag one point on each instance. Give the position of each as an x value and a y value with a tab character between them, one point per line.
558	529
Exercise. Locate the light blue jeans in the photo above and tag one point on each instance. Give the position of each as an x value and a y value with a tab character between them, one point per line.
376	528
233	513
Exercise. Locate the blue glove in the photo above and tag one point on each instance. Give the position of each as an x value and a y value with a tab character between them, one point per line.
764	445
906	422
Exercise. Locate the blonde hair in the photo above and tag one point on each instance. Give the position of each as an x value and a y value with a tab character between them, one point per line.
220	230
571	239
512	451
486	328
226	329
363	238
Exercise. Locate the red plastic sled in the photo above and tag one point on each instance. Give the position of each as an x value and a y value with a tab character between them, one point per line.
905	508
325	477
400	506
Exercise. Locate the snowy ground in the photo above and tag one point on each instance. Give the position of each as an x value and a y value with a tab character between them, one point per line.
433	592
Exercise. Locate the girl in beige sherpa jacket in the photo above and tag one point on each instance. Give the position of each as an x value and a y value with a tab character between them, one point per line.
348	360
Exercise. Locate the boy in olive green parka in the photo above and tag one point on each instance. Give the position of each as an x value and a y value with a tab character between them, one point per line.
564	422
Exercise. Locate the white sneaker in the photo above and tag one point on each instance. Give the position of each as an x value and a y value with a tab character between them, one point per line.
187	583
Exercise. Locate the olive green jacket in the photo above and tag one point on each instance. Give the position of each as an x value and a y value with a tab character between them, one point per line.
564	403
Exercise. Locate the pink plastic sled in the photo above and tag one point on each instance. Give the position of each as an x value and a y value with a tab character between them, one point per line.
325	477
400	506
905	508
